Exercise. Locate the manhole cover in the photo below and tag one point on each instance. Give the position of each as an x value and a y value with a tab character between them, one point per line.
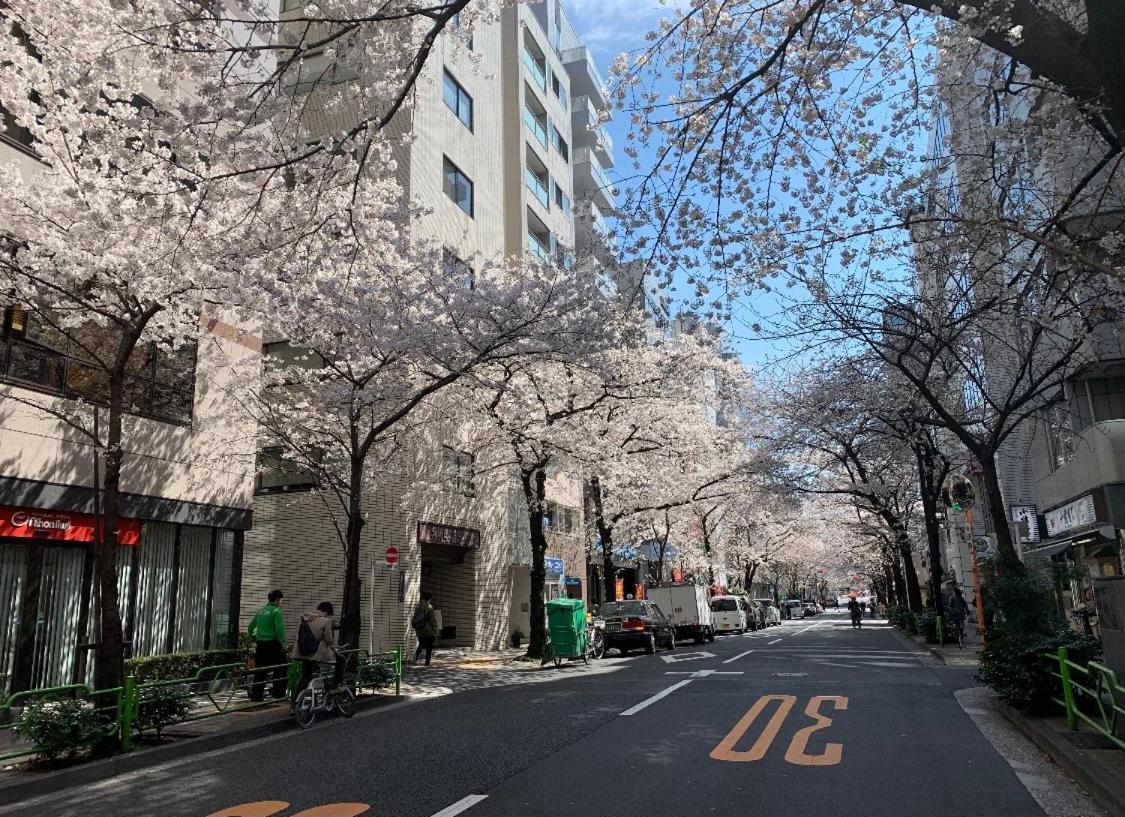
790	674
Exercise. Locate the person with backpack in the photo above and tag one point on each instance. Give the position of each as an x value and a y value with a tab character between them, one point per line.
267	628
313	646
424	624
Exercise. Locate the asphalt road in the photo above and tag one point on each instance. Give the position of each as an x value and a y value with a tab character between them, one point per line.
808	719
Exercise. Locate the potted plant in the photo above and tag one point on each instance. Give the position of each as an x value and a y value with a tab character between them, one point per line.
517	638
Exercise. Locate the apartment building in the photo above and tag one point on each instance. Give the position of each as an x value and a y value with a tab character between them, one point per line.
491	156
187	481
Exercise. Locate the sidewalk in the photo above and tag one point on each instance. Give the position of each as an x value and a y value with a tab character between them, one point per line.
20	780
967	657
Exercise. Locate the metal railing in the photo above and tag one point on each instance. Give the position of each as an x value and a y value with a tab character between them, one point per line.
538	72
211	692
1091	694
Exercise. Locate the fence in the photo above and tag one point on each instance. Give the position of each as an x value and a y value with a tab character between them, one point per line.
1091	694
211	692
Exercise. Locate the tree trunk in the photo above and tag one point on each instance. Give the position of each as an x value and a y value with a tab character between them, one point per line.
605	533
929	492
748	582
1006	548
913	592
898	583
351	615
535	492
109	666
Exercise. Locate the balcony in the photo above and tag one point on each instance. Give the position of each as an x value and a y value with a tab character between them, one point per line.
536	68
585	79
590	179
538	187
536	124
538	249
588	131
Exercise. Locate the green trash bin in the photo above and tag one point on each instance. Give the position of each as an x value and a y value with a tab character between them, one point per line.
566	624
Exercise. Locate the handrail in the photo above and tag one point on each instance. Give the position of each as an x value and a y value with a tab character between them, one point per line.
1098	689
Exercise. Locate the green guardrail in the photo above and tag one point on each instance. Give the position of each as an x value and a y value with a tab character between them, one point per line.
211	692
1090	694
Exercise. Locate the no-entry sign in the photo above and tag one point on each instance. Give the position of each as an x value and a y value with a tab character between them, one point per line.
392	555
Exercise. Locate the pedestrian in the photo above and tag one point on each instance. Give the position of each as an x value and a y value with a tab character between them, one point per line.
958	610
267	628
424	623
313	645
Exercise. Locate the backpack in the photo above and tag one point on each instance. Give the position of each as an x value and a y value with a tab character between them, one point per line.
307	643
418	620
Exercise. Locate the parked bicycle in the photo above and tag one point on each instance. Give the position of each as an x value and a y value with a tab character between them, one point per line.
322	695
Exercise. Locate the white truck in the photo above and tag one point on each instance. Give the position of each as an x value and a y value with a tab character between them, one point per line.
687	607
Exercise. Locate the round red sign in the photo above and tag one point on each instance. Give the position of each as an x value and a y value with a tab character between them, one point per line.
392	555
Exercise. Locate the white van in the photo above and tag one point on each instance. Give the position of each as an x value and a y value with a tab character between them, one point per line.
729	614
687	608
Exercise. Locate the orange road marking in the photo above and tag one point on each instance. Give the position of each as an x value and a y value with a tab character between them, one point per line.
833	752
335	810
726	751
265	808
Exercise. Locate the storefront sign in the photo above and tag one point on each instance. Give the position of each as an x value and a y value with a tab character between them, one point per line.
619	588
555	567
61	526
1026	513
1071	515
431	533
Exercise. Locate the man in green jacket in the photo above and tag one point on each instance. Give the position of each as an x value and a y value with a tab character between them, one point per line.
267	628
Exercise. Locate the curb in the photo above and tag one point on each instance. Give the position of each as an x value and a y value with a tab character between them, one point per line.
1084	766
921	645
17	791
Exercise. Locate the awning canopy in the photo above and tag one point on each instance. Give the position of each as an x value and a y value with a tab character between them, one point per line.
1090	536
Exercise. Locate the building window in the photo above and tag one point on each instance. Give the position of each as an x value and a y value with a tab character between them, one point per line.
457	100
560	144
455	24
37	354
559	90
459	470
1107	395
12	131
277	474
562	201
560	519
281	355
458	186
456	269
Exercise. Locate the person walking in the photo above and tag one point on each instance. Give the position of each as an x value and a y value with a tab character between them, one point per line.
267	628
958	610
313	645
424	623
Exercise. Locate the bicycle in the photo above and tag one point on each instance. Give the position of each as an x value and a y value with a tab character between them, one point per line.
319	697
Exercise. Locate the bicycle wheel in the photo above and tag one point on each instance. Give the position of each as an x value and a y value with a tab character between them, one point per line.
345	702
304	709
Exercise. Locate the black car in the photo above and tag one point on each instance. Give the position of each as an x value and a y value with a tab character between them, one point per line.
636	624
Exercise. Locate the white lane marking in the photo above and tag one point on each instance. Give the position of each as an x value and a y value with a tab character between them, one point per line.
633	710
740	655
808	628
464	804
773	642
673	658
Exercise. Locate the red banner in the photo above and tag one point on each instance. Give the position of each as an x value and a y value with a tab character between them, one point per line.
61	526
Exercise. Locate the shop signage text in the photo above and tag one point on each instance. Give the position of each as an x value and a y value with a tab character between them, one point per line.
554	566
431	533
1071	515
61	526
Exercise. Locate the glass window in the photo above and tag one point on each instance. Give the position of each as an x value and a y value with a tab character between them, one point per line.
562	201
560	144
558	89
34	352
456	269
154	581
220	589
537	182
276	473
457	100
458	186
459	469
10	129
1107	394
190	631
537	124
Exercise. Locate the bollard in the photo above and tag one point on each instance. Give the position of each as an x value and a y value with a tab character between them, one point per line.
398	670
125	710
1068	691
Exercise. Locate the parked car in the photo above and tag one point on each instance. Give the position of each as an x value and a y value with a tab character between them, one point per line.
729	614
636	624
808	608
758	612
773	615
687	608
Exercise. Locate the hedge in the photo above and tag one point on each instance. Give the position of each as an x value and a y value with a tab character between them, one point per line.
173	666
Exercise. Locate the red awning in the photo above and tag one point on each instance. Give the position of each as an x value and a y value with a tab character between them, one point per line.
61	526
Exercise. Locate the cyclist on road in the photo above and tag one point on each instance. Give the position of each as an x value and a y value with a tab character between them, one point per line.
958	610
856	610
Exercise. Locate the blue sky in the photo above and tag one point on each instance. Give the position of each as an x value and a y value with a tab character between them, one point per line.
609	27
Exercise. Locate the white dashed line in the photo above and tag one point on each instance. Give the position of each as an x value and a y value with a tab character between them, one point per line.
773	642
740	655
633	710
464	804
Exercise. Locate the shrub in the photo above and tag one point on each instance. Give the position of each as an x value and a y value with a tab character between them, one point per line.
374	675
3	688
1015	664
177	665
61	728
161	706
927	626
